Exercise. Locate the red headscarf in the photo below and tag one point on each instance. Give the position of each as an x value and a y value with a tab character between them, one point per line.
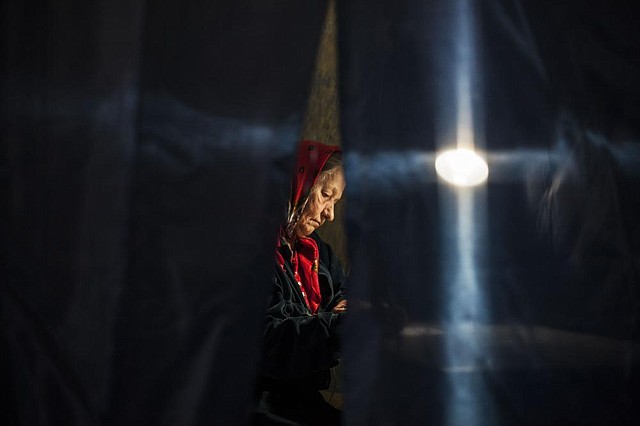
312	156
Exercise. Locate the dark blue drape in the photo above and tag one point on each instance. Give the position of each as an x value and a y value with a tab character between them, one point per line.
146	152
514	302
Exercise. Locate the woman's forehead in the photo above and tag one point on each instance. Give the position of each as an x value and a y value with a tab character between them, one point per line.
335	182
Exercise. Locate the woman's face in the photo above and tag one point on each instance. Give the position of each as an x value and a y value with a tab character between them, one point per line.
319	208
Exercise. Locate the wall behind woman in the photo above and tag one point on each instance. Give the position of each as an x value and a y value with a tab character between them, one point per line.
322	120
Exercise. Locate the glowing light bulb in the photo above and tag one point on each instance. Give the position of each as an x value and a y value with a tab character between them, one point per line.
462	167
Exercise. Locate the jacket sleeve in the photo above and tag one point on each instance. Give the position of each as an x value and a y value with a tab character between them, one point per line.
296	343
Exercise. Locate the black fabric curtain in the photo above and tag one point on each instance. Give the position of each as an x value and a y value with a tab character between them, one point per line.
146	153
146	156
515	302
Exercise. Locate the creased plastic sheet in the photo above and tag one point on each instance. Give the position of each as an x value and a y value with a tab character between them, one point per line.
146	156
514	302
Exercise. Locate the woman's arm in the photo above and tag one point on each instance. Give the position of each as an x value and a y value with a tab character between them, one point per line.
296	343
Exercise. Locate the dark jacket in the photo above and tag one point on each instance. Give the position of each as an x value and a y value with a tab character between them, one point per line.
299	347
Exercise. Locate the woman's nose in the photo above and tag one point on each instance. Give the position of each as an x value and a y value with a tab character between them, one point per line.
328	212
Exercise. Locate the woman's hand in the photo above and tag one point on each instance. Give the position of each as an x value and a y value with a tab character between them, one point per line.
341	307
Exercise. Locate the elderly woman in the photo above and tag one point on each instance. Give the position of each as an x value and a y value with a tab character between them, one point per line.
308	300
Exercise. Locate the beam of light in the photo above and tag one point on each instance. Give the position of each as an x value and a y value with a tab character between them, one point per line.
464	71
464	228
462	167
398	173
465	235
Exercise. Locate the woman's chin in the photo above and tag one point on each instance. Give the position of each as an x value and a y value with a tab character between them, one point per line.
305	231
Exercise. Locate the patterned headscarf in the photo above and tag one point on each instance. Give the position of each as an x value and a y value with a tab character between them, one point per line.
312	157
